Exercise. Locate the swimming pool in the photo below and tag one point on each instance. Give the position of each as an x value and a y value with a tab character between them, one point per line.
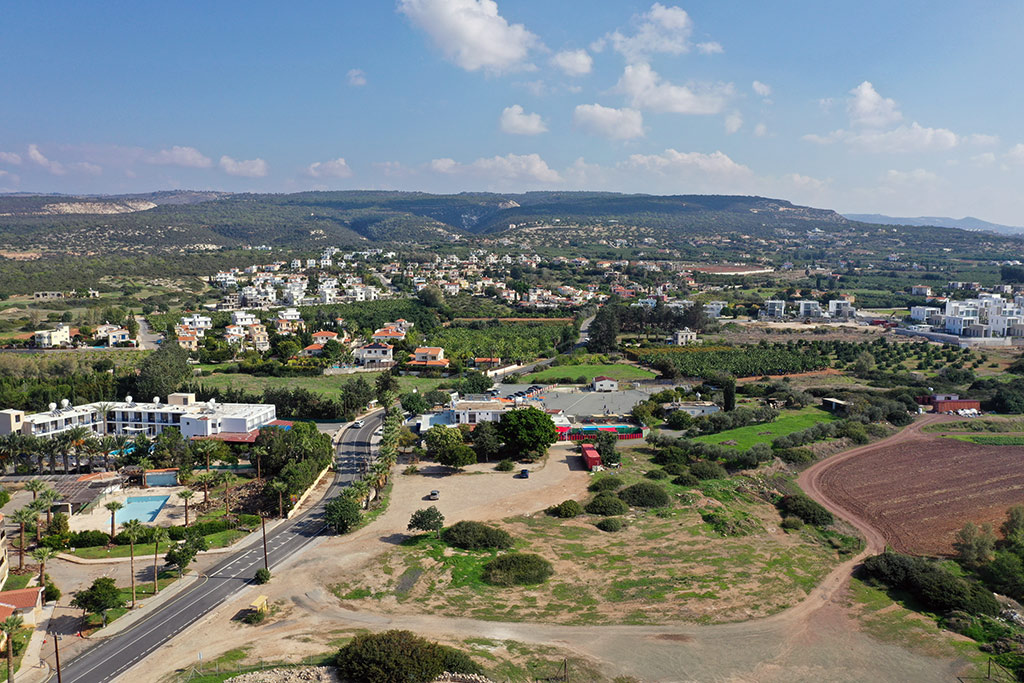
142	508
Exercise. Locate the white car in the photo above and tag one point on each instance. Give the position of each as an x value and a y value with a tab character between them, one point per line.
357	424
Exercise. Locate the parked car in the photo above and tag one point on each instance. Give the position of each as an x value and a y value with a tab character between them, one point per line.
524	474
434	495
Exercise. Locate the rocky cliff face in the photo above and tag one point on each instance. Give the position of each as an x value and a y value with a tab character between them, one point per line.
98	208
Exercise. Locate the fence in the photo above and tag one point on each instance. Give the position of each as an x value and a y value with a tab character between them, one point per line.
568	436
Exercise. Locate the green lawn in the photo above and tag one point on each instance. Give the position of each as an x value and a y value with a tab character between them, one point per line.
790	421
17	581
22	637
143	551
327	385
990	440
617	371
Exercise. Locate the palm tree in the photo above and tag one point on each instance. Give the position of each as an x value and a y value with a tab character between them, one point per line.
75	438
159	536
10	626
52	447
185	496
22	517
113	506
41	555
9	450
36	486
48	498
133	530
103	409
121	442
37	509
257	454
203	449
206	479
226	479
281	489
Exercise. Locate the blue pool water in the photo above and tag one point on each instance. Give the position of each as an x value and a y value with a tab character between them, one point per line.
161	478
142	508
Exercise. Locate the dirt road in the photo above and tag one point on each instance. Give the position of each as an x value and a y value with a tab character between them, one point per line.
816	640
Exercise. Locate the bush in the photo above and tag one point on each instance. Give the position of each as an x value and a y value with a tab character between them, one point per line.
645	495
609	524
476	536
505	466
675	469
609	483
806	509
254	616
703	469
795	456
88	539
262	576
342	514
792	523
566	509
686	479
51	593
607	505
517	569
931	583
399	656
656	474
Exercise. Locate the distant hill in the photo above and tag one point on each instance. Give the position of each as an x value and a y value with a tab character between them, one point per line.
968	223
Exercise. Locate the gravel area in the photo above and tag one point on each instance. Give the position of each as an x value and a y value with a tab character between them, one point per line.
314	674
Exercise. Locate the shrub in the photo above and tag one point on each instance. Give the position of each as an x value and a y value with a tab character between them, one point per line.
254	616
609	524
795	456
517	569
566	509
505	466
656	474
931	583
342	514
51	593
806	509
262	576
686	479
708	470
609	483
675	469
476	536
399	656
792	523
645	495
411	469
88	539
607	505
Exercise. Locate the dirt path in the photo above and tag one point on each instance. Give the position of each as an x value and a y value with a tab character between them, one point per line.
815	640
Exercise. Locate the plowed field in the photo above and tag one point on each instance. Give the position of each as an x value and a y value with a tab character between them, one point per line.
918	491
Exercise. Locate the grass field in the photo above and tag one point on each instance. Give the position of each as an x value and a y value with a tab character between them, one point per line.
220	539
327	385
790	421
617	371
993	440
17	581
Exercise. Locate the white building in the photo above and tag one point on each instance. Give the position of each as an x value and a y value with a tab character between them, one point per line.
475	412
244	319
198	322
809	309
713	309
602	383
841	308
683	337
55	338
773	309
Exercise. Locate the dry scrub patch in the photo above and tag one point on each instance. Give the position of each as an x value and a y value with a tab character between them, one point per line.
919	491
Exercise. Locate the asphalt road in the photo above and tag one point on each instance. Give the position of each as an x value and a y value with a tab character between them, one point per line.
115	655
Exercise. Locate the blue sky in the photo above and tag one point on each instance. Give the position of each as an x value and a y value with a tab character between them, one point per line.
905	108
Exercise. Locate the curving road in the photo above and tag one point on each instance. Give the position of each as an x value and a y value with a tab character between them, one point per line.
113	656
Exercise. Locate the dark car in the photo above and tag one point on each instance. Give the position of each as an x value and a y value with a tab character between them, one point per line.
524	474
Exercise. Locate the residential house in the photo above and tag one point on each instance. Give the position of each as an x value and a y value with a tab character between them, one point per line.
375	355
602	383
683	337
52	339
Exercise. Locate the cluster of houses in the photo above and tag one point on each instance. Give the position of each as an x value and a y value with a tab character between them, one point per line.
988	319
61	336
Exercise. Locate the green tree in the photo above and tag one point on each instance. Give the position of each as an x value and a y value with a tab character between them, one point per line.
527	429
1013	528
399	657
185	495
342	514
101	596
183	554
428	519
386	382
458	457
975	544
23	517
441	439
163	371
133	530
113	506
42	556
11	626
486	441
604	330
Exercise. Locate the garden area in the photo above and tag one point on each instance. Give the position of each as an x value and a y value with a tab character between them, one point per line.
788	422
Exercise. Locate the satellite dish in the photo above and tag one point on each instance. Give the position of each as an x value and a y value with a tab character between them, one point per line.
213	402
156	400
53	406
64	403
128	399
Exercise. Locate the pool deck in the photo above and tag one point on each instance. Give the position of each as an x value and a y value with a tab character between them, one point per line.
98	517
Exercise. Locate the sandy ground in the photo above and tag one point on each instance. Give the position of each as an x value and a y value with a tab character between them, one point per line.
816	640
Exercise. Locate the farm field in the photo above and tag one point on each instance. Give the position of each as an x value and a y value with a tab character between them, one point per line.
920	491
617	371
992	439
327	385
790	421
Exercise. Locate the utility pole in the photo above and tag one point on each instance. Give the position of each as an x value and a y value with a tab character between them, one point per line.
56	652
266	559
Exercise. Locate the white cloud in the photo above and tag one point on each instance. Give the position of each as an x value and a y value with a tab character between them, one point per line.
86	167
356	77
902	139
39	159
710	48
515	121
659	30
251	168
760	130
647	90
762	89
189	157
335	168
733	122
981	139
508	170
915	177
608	122
10	158
472	34
573	62
673	162
984	159
1016	154
867	108
805	182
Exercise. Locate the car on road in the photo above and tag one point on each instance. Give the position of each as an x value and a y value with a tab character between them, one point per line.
434	495
358	423
524	474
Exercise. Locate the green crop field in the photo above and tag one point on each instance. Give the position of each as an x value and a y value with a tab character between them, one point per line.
790	421
995	440
615	371
327	385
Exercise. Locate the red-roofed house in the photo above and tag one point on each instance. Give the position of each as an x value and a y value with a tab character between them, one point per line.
28	602
375	355
388	334
323	336
602	383
428	357
312	350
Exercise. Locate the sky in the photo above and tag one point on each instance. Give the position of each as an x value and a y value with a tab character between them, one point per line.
905	108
